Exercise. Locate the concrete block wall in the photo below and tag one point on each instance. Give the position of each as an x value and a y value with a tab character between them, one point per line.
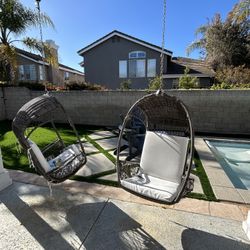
214	111
2	106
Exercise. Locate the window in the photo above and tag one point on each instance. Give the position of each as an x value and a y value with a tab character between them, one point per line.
41	73
66	75
123	69
151	69
137	68
21	72
137	54
27	72
137	64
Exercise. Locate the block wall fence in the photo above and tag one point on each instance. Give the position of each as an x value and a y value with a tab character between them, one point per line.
212	111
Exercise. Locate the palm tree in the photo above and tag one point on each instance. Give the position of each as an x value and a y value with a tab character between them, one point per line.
15	19
200	42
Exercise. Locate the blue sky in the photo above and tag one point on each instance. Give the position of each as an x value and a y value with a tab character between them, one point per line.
80	22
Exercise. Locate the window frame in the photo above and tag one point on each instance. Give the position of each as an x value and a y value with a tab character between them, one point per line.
66	75
137	54
148	64
125	63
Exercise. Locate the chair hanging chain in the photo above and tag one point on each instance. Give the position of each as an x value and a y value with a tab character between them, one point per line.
42	44
163	43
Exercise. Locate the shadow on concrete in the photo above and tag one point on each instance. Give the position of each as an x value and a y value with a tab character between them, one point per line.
44	234
196	240
89	222
113	229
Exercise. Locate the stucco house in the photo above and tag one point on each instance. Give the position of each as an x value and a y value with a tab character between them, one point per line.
117	57
30	69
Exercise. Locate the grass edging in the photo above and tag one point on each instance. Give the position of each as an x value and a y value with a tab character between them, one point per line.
206	186
101	149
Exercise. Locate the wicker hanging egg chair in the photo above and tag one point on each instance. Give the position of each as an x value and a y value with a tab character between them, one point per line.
67	160
161	169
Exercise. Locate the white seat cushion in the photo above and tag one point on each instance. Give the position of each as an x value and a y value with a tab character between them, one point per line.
151	187
162	164
164	156
40	157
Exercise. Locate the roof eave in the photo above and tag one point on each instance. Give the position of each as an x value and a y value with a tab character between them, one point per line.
116	33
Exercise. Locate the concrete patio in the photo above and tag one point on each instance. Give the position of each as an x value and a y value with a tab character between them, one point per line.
91	216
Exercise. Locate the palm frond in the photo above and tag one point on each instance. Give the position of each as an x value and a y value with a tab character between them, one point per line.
201	30
44	49
198	44
16	18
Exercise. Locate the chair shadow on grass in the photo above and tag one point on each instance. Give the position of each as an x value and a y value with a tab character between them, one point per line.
88	222
196	239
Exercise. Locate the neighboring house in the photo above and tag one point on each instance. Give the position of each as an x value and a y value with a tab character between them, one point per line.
32	68
196	67
118	57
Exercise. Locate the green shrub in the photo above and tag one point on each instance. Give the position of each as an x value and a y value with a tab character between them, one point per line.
83	86
187	81
233	75
126	84
154	83
230	86
32	86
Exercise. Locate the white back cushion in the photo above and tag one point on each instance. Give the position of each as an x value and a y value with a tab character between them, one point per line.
45	165
164	155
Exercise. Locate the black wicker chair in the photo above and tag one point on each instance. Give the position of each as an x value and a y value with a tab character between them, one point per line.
68	160
162	171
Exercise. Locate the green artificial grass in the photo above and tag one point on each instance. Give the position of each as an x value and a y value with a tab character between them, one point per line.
101	150
12	159
207	189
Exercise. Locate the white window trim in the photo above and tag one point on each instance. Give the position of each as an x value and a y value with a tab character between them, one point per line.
169	76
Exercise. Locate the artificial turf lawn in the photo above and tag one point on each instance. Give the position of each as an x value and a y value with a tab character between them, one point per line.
12	159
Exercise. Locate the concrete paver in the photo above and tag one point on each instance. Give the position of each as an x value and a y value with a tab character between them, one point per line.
110	177
227	194
133	226
89	148
229	211
101	134
31	219
195	206
96	163
97	190
53	222
110	143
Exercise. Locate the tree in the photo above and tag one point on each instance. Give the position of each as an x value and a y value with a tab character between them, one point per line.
226	43
188	82
15	19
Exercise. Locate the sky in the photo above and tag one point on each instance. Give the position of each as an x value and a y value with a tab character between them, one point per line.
81	22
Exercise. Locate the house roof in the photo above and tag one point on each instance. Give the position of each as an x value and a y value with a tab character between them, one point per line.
197	67
39	59
125	36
